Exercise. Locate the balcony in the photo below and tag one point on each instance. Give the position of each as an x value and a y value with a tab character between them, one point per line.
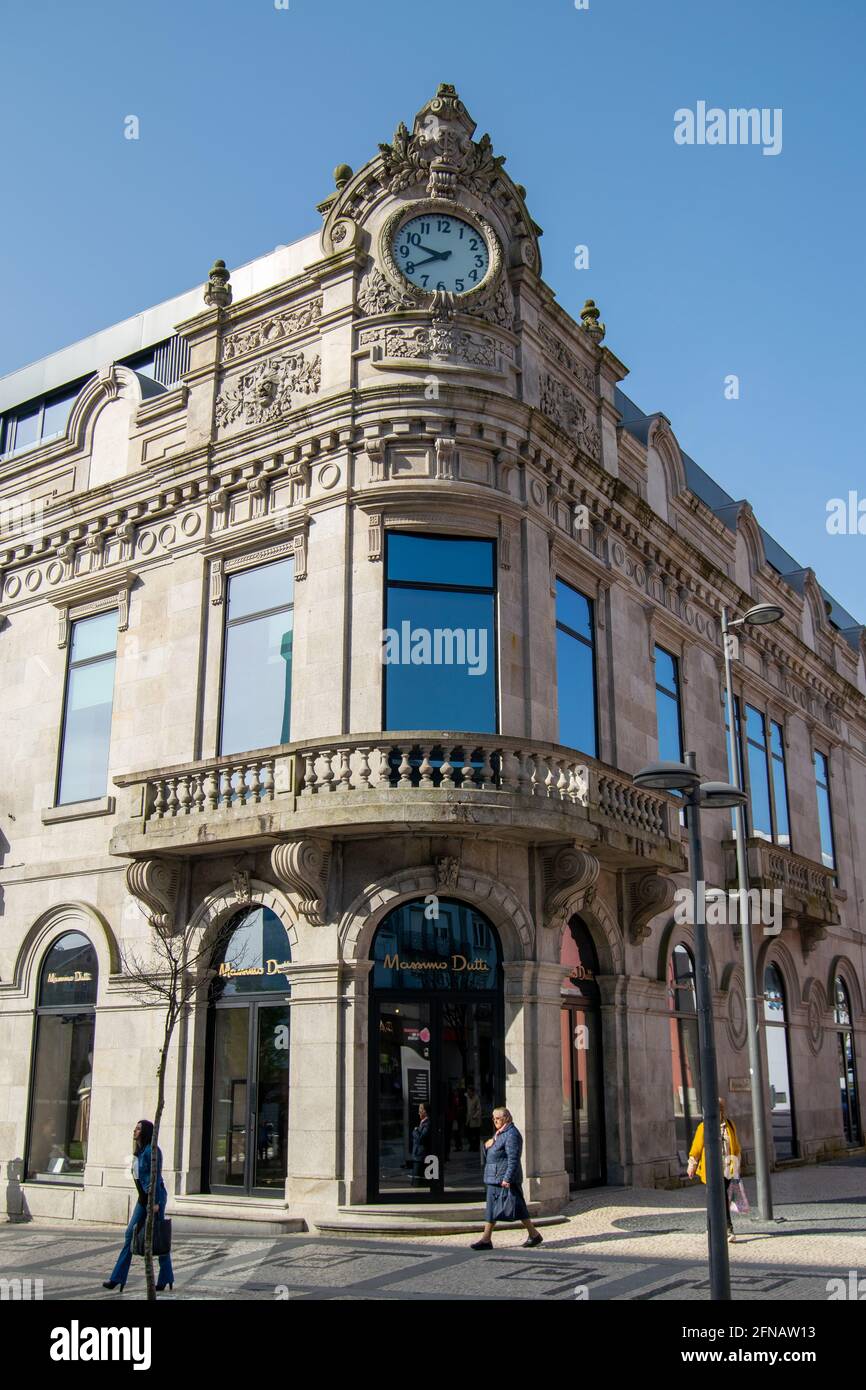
370	784
808	889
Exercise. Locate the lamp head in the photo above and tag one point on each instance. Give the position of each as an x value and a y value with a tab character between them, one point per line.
667	777
763	613
717	796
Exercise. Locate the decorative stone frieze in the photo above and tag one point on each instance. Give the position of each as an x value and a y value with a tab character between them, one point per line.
562	406
272	330
379	296
267	391
565	358
302	866
430	342
447	869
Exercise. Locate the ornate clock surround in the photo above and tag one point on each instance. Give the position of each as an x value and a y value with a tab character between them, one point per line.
433	299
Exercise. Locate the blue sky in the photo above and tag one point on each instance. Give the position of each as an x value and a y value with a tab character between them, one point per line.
705	260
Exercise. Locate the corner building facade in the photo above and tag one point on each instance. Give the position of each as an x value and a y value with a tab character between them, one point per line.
341	603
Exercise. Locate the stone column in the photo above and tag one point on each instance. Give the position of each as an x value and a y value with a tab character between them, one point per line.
533	1076
315	1141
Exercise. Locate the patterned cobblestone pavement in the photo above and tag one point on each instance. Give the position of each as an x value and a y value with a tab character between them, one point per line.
618	1243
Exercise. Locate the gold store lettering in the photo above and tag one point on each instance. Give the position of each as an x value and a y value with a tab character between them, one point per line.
274	967
75	978
458	964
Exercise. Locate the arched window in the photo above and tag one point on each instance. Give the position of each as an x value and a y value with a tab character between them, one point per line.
249	1071
779	1065
685	1062
63	1061
847	1064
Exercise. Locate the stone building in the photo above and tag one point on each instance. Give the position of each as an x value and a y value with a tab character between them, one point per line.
340	604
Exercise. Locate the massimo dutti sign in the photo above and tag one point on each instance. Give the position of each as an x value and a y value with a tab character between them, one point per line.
456	963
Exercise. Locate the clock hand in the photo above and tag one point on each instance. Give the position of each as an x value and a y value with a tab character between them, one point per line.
436	256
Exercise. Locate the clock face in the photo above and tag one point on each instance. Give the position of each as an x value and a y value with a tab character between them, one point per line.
439	252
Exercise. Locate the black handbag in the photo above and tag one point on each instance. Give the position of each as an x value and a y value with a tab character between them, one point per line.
161	1236
504	1205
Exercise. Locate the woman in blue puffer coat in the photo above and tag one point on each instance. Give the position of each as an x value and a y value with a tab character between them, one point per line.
502	1170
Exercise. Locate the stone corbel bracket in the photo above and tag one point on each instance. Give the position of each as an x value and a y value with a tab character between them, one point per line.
569	874
155	883
646	895
303	867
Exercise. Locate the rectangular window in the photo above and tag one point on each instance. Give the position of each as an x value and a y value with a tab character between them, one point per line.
825	814
439	645
759	774
780	785
668	712
575	670
38	420
87	711
257	667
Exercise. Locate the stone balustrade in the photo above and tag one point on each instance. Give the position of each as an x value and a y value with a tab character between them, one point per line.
416	769
808	888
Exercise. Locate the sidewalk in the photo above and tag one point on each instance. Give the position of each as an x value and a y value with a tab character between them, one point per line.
618	1243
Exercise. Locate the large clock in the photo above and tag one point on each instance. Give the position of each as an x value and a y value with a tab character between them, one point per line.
437	251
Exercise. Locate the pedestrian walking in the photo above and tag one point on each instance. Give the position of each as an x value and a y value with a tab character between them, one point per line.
503	1180
142	1176
730	1160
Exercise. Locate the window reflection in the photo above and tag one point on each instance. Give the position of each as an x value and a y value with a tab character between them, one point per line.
257	679
88	704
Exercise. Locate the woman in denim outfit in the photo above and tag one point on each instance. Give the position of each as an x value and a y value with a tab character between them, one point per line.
142	1172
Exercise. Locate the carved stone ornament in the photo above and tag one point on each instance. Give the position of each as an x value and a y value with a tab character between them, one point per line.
565	358
379	296
218	291
646	896
440	150
435	342
563	407
272	330
302	866
811	933
155	883
447	871
241	885
568	872
266	392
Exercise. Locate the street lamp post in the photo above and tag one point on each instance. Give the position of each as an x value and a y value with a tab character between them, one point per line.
761	614
684	777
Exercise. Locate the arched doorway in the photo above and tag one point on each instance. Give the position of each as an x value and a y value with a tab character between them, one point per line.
779	1065
847	1064
62	1077
582	1064
248	1058
685	1056
436	1040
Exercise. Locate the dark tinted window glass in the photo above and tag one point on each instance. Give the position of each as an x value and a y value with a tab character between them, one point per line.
573	610
575	670
440	560
458	949
439	646
27	427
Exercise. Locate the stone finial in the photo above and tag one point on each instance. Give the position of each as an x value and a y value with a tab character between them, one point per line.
342	175
218	291
589	317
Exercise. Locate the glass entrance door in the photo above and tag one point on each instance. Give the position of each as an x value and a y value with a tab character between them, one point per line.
437	1079
582	1112
249	1098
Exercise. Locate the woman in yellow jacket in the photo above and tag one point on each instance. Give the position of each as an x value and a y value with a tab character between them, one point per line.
730	1160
